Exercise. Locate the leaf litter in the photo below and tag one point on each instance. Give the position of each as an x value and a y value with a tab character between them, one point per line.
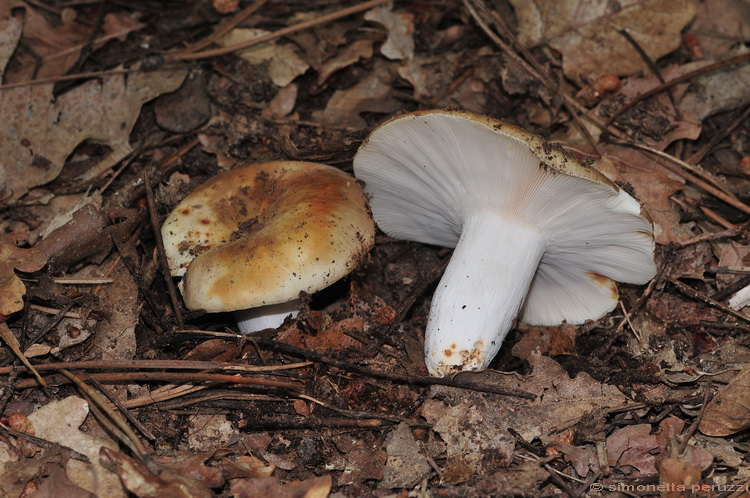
113	115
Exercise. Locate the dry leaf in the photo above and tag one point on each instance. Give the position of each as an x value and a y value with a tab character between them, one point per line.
634	446
729	411
587	32
373	93
719	24
11	28
348	55
42	131
653	187
284	63
59	422
59	46
13	257
142	482
400	25
406	465
473	424
316	487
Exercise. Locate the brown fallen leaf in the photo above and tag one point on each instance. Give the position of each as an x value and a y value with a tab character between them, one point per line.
263	487
719	24
58	46
587	33
59	422
406	465
45	129
400	27
142	482
13	258
373	93
473	425
653	188
283	60
633	445
729	411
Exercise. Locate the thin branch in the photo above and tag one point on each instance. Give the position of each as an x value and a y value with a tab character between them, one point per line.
530	65
731	61
333	16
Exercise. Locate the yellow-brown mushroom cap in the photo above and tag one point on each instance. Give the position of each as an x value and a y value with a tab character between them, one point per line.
262	233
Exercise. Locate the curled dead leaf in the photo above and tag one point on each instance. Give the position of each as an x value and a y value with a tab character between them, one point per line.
729	411
13	258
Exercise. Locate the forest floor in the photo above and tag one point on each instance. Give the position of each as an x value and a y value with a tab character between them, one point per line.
116	110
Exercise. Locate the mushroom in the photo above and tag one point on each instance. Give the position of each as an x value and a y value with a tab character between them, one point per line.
251	239
538	236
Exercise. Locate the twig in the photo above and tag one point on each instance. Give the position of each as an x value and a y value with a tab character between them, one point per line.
191	377
694	294
43	443
731	61
366	415
718	137
108	417
409	379
694	426
125	412
681	168
333	16
159	365
560	482
653	67
529	64
225	27
724	234
163	263
10	340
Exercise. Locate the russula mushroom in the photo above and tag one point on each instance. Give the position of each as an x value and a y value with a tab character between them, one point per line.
538	236
251	239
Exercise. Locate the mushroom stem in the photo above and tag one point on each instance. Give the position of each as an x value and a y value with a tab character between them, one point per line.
265	317
481	292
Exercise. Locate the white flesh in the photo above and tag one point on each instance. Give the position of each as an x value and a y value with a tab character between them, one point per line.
481	292
265	317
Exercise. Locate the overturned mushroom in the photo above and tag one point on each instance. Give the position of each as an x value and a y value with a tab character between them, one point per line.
538	236
251	239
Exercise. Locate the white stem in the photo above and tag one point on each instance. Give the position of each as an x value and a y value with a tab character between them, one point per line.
265	317
481	292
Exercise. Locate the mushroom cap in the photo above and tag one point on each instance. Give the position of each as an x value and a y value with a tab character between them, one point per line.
260	234
425	172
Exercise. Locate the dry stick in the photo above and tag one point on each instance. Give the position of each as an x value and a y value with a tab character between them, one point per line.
731	61
694	426
163	263
366	415
409	379
637	306
225	28
125	412
333	16
108	417
724	234
654	69
672	165
173	377
718	137
530	65
694	294
166	404
43	443
159	365
313	423
69	77
560	481
10	340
